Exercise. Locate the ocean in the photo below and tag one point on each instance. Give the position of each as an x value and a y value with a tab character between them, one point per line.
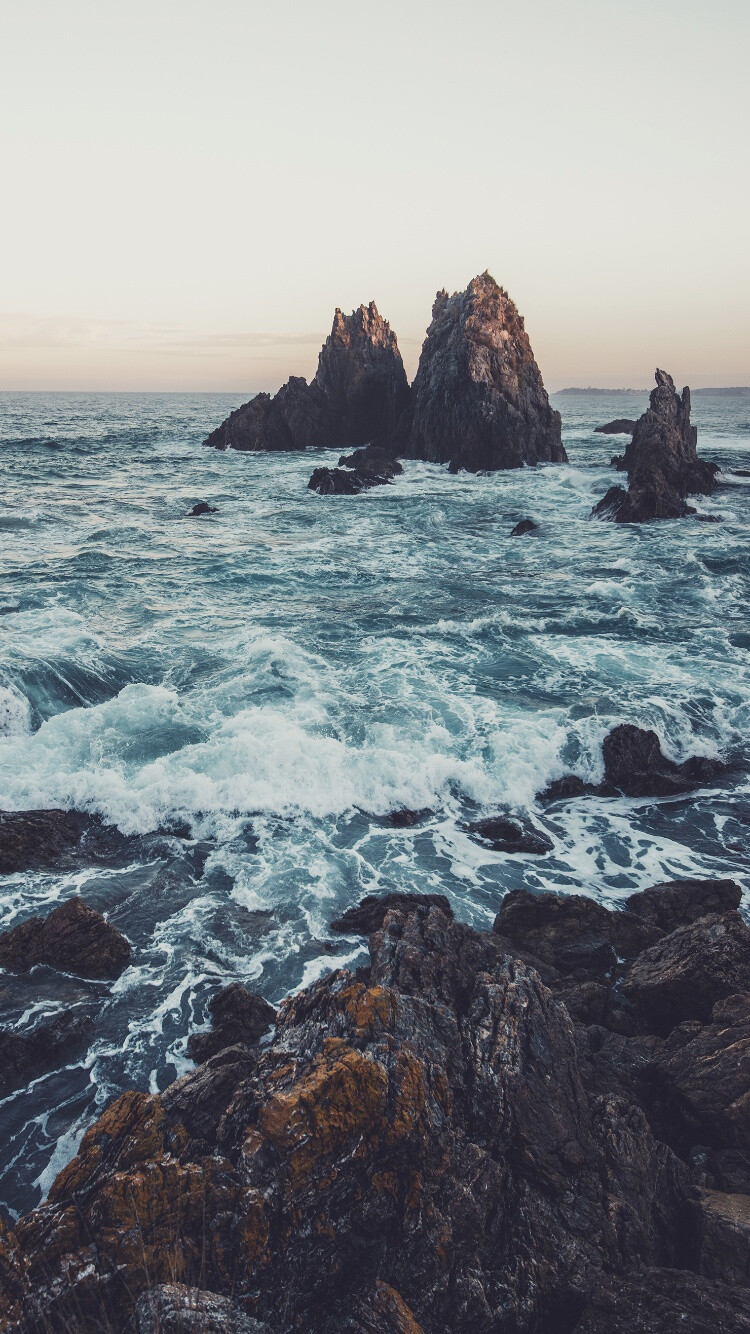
251	693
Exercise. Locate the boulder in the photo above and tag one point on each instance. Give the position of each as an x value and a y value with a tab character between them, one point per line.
675	903
52	840
478	401
685	973
357	395
238	1015
407	819
506	835
72	938
661	462
702	1074
620	426
525	526
202	507
574	933
634	764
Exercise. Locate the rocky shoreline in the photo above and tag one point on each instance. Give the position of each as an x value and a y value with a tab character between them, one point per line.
542	1127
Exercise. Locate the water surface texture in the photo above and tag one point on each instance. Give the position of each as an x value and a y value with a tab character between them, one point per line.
271	681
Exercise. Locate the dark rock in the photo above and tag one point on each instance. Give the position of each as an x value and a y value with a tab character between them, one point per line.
344	481
702	1073
358	394
661	462
173	1308
202	508
665	1301
73	938
525	526
572	932
635	765
199	1099
414	1150
406	819
620	426
618	463
377	459
26	1053
677	902
369	914
740	472
684	974
54	840
567	788
725	1240
478	400
506	835
238	1016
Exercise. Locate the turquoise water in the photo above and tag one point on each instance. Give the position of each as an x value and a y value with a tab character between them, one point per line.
280	676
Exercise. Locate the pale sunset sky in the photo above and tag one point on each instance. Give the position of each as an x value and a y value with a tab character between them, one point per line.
190	188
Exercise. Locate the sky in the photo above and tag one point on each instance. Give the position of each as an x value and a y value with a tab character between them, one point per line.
190	187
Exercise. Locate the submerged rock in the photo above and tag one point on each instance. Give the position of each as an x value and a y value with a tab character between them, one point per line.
661	462
366	467
202	507
620	426
525	526
358	394
507	835
238	1015
73	938
478	401
24	1054
51	840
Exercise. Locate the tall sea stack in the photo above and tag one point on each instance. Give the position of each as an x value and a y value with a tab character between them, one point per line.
661	462
357	395
478	400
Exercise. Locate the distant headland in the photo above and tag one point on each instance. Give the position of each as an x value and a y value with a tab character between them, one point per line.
591	389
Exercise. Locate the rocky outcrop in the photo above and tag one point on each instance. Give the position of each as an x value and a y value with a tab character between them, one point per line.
431	1143
478	401
635	765
357	395
73	938
661	462
620	426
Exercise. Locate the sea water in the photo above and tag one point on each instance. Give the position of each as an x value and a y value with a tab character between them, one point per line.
251	693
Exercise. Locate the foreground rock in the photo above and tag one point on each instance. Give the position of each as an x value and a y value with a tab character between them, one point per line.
52	840
429	1144
73	938
478	400
620	426
358	394
173	1308
634	764
661	462
685	974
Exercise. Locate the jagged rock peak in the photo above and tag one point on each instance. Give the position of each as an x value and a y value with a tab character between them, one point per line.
478	400
357	395
661	461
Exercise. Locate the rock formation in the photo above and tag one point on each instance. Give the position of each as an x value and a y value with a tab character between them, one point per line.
620	426
634	764
661	462
357	395
539	1128
525	526
52	840
478	401
365	468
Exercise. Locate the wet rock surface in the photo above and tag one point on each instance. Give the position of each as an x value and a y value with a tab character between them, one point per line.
202	507
51	840
525	526
357	395
510	835
72	938
440	1142
23	1055
238	1015
634	764
661	461
478	400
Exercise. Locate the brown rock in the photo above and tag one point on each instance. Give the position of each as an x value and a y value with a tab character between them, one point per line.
73	938
725	1240
50	840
